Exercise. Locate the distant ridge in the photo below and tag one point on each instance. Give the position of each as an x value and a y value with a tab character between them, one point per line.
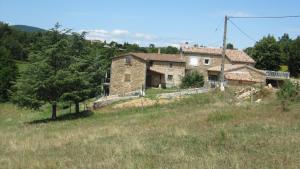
27	28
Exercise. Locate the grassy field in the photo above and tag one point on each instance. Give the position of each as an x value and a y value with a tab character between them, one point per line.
197	132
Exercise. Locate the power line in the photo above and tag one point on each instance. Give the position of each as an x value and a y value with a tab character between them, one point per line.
217	28
264	17
243	32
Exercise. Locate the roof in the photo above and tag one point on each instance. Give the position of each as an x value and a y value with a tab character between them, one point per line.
157	57
233	55
231	67
227	67
241	76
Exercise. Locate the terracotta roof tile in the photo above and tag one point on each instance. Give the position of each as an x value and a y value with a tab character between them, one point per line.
158	57
241	76
227	67
233	55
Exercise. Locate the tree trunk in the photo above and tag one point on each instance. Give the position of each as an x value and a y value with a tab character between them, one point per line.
53	111
77	107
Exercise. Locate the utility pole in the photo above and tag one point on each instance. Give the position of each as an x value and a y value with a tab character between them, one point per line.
222	79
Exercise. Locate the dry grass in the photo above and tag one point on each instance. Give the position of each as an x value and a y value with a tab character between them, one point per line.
196	132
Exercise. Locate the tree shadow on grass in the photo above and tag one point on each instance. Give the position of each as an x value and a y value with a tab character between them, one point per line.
64	117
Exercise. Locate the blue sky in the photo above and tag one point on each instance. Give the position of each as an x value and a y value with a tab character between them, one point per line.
167	22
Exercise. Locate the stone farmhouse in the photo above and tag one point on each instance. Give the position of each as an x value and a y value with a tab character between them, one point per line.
133	71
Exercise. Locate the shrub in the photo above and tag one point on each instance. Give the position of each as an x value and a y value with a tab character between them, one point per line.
192	80
287	93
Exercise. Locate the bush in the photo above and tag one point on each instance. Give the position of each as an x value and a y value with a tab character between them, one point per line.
288	93
192	80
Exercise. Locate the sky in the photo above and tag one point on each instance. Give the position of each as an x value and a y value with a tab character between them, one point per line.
160	22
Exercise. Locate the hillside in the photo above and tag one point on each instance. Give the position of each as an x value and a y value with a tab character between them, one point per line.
27	28
200	131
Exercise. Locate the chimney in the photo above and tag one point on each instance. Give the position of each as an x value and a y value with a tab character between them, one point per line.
181	52
158	51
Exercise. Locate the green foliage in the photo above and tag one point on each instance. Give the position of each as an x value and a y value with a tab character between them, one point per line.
192	79
230	46
55	73
8	73
294	58
17	42
267	53
249	51
288	93
273	55
285	47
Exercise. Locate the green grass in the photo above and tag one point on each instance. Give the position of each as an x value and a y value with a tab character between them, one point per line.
196	132
284	68
153	92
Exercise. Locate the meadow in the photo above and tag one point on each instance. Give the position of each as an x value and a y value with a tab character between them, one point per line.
201	131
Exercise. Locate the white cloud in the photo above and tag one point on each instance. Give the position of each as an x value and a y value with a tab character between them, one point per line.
119	35
142	39
119	32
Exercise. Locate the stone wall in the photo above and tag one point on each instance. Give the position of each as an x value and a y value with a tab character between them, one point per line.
127	77
201	67
177	70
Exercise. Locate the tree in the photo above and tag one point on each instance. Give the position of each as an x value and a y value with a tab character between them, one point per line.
192	79
249	51
266	53
169	50
287	93
294	58
285	45
152	49
77	78
8	72
230	46
15	41
45	78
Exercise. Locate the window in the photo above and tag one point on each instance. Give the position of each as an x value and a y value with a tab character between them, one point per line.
194	61
206	61
127	78
127	60
171	65
170	77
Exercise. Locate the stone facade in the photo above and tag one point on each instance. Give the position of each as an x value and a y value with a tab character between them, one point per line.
198	62
171	73
131	72
127	77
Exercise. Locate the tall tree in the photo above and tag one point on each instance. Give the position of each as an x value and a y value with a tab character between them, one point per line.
8	72
294	58
285	44
78	79
45	76
266	53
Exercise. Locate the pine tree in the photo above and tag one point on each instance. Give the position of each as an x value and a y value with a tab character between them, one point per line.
8	72
44	79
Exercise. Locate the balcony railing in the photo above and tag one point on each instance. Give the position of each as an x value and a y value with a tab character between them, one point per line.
216	83
277	74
